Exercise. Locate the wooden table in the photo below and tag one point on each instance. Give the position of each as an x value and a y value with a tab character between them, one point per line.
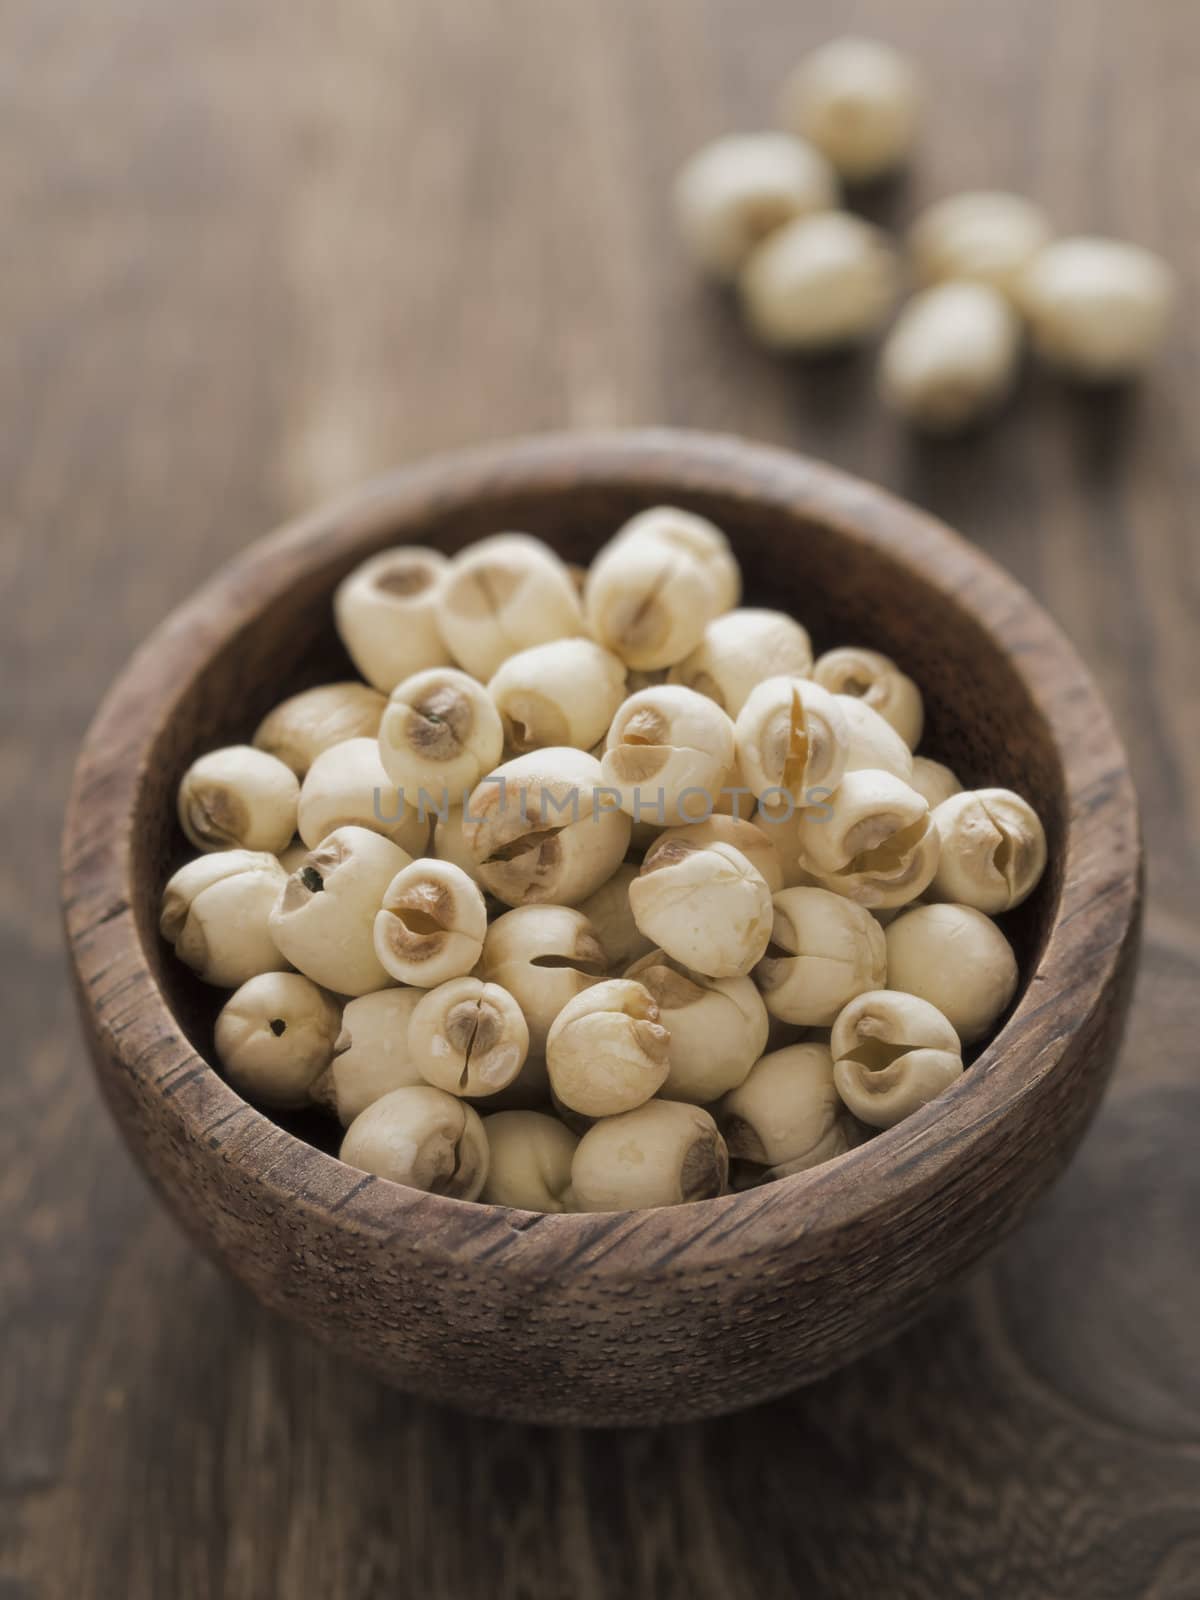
256	252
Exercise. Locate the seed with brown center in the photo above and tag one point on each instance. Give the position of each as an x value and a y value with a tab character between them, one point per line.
440	734
386	615
422	1137
468	1037
431	924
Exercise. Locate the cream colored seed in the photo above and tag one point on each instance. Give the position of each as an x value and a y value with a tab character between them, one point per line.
985	236
421	1137
933	780
824	950
431	924
544	956
893	1053
782	830
299	729
688	535
370	1055
756	844
738	189
859	101
739	651
873	840
440	734
875	678
718	1027
540	829
611	917
670	753
787	1110
1097	308
449	844
346	786
530	1167
951	357
468	1037
792	739
216	912
648	600
873	743
664	1153
993	850
706	906
562	693
607	1050
275	1036
502	595
238	798
386	615
323	920
819	283
958	960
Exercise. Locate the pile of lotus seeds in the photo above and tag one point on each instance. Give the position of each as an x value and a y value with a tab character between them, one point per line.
606	894
762	211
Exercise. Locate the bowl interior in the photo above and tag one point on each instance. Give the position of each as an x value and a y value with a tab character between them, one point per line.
847	589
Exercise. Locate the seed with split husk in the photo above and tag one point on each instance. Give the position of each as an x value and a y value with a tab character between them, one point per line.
607	1050
468	1037
873	841
705	905
562	693
792	739
216	912
544	956
993	850
530	1166
875	678
371	1056
690	535
650	593
893	1053
275	1038
502	595
347	786
421	1137
786	1111
718	1027
439	735
873	743
664	1153
238	798
540	828
386	615
824	950
323	920
431	924
670	752
301	727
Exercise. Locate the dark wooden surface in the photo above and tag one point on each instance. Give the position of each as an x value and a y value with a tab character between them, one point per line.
253	253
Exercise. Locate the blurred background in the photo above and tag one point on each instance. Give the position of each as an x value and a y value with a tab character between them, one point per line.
255	253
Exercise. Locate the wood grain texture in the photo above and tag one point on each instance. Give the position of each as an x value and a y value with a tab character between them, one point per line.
258	253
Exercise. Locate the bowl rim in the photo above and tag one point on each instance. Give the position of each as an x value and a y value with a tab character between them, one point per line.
132	1022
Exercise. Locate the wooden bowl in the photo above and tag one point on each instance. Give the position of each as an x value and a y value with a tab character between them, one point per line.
645	1316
